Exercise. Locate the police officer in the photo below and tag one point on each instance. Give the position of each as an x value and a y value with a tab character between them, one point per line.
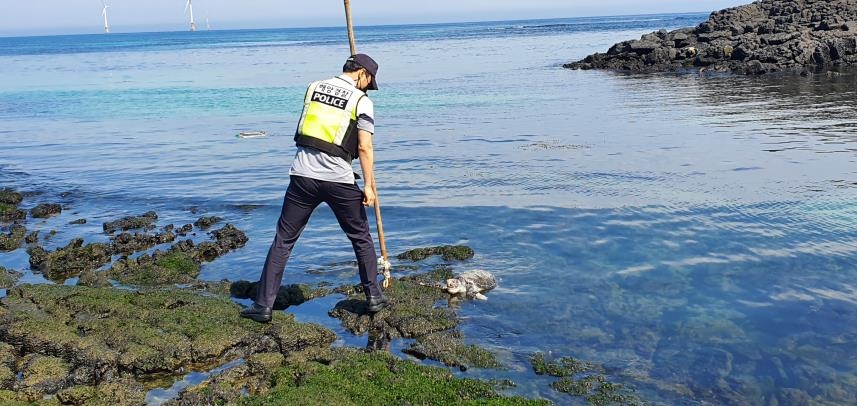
336	127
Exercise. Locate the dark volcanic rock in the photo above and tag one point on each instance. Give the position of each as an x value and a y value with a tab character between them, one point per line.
70	260
10	196
204	223
448	252
765	36
12	240
131	222
288	295
46	210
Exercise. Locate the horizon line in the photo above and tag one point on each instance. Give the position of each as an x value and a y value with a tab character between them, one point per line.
144	31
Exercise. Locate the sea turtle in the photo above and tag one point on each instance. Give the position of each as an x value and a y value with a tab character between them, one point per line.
471	284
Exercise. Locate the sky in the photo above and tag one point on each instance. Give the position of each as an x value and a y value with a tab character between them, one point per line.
42	17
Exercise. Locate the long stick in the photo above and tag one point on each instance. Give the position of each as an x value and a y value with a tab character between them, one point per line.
351	42
385	262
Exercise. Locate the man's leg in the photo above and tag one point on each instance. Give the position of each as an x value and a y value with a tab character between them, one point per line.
346	201
300	201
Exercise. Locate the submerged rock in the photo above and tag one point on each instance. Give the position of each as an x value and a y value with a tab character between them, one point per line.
448	253
45	210
12	240
70	260
448	347
583	379
765	36
288	295
77	222
144	221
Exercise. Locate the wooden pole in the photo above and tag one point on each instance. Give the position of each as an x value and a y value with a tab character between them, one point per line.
385	262
351	42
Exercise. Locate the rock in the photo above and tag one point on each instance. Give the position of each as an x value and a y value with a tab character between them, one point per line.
10	213
46	210
131	222
765	36
41	374
127	243
77	222
204	223
448	348
8	278
154	270
10	197
448	252
70	260
12	240
115	333
288	295
93	279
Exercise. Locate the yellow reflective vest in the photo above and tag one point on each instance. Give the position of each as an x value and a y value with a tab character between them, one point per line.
329	119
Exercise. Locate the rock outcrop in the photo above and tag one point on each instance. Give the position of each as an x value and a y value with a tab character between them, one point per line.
762	37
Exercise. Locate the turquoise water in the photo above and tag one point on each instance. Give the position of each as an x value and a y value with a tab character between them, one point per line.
696	235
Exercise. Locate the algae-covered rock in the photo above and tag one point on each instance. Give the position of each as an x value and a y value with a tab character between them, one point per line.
157	269
70	260
45	210
42	374
122	392
8	277
448	347
144	221
353	377
10	212
288	295
93	279
12	240
254	378
10	197
447	252
128	243
204	223
114	332
583	379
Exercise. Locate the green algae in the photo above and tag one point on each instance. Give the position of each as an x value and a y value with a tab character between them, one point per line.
447	252
93	279
448	347
12	240
353	377
42	374
563	367
70	260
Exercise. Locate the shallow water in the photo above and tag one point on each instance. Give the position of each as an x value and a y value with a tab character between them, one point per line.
694	234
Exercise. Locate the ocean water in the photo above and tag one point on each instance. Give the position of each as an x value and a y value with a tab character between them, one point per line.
695	234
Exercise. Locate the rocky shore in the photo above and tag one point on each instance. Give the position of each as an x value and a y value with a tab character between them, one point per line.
137	318
767	36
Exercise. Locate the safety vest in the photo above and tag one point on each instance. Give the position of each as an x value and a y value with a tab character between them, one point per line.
329	119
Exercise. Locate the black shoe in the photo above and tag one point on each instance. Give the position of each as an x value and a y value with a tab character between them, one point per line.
376	303
258	313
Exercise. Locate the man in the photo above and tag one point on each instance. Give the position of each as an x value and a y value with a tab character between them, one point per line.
336	126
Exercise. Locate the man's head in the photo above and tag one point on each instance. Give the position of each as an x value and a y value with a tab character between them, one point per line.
363	69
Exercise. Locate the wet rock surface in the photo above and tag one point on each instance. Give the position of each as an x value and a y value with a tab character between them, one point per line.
173	267
288	295
9	201
447	252
8	277
12	240
46	210
144	221
765	36
70	260
70	336
204	223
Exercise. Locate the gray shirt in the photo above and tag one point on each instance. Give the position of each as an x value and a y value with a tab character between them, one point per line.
312	163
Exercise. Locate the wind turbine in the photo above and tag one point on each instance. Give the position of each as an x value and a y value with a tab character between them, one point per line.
189	6
104	13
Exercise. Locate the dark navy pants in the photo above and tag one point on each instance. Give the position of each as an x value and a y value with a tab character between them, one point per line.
302	197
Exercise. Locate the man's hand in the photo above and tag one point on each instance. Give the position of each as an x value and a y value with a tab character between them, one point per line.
369	196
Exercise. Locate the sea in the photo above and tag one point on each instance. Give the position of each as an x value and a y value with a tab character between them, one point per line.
694	234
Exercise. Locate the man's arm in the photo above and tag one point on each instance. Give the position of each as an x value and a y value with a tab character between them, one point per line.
366	153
